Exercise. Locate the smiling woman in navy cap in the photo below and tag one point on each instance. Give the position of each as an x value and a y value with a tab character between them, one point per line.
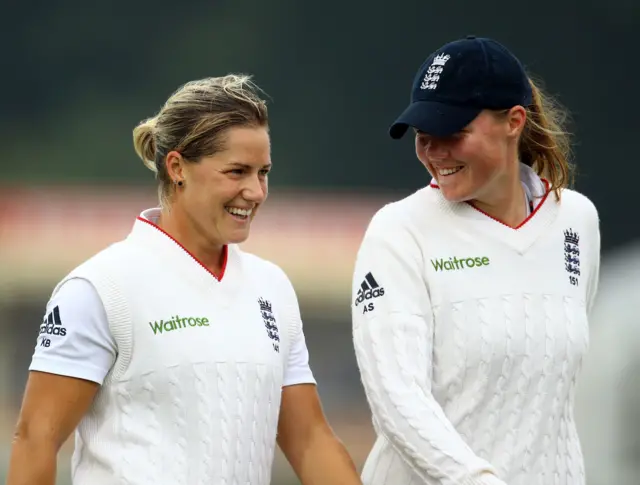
471	296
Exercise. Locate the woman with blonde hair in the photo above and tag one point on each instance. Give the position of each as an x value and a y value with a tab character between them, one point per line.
180	358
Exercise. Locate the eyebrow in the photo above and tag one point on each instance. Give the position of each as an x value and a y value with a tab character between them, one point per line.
247	166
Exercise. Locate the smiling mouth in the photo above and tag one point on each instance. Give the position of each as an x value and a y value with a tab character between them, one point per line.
444	172
239	213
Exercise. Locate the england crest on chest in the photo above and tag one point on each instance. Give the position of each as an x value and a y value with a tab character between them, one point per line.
572	255
270	324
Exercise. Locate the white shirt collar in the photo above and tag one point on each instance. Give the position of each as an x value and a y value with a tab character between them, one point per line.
152	215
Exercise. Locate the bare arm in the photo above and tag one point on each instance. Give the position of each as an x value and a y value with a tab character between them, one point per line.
315	453
52	407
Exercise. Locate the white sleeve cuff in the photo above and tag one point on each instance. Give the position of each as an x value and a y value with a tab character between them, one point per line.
78	370
299	378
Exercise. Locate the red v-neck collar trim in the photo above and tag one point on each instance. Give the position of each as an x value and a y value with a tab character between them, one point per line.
433	185
225	250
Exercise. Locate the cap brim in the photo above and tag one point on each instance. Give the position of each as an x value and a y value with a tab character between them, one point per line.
436	119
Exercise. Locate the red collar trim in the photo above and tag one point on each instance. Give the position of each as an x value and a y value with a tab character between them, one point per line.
433	185
225	250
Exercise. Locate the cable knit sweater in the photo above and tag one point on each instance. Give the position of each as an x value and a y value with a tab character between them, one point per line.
193	393
469	336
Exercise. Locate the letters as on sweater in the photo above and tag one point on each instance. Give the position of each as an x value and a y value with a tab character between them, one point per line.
469	336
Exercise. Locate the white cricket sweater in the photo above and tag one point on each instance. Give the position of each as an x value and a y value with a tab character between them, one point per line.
193	393
469	336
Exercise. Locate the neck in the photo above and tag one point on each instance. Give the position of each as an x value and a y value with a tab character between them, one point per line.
508	206
192	238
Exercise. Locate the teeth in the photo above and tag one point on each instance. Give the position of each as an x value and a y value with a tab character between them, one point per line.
239	212
449	171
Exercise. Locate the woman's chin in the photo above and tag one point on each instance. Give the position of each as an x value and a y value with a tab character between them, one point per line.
456	193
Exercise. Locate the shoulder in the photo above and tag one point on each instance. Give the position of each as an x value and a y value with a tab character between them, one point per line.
403	223
78	294
77	300
96	269
398	231
104	259
579	204
579	208
265	270
258	265
403	214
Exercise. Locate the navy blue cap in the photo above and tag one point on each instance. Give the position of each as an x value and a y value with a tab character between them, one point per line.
457	82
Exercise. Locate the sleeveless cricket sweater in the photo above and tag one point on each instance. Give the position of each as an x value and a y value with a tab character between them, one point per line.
194	394
469	336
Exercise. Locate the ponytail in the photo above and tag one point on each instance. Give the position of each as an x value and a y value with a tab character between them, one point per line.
545	144
144	143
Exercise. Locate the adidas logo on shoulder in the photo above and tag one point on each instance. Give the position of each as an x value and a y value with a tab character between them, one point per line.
52	325
369	289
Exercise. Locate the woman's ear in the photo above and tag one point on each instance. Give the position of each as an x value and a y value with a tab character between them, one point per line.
516	119
175	164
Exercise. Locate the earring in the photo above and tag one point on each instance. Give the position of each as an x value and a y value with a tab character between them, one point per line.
178	183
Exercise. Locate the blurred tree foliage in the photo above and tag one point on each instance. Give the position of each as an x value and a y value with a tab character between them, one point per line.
78	77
